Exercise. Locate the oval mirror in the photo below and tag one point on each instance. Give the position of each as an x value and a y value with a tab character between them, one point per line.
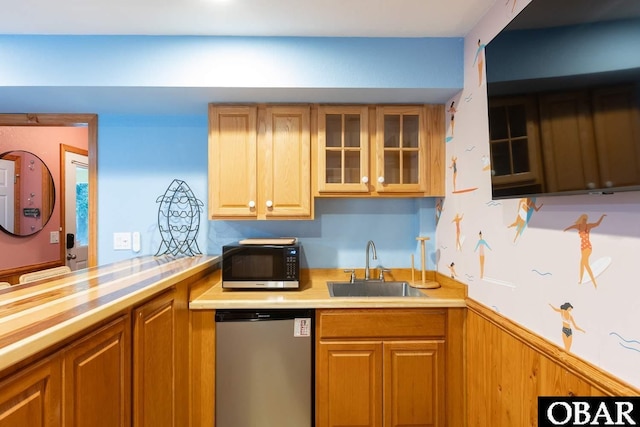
27	193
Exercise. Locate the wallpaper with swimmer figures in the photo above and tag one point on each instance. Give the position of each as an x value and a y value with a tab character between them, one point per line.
566	268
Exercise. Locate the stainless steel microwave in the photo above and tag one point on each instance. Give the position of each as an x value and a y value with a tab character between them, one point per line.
261	265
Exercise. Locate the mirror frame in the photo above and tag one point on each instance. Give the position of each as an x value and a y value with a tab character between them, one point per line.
91	121
48	196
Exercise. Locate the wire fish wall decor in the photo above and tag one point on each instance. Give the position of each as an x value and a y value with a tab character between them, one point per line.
179	220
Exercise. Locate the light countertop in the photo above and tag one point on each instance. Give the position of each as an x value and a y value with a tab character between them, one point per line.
37	315
314	293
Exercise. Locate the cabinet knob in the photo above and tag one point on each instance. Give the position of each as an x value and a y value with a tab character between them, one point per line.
591	185
381	179
269	204
608	184
252	204
365	179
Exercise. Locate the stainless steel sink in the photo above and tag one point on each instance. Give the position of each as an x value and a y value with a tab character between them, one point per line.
372	289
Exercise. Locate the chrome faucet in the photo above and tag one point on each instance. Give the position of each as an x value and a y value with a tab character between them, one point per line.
371	245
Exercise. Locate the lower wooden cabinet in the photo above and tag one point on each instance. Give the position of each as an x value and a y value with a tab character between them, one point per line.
414	383
97	377
122	373
380	367
349	384
154	373
32	397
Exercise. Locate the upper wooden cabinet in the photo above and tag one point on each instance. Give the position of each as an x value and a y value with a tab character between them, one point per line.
400	150
375	150
343	149
259	162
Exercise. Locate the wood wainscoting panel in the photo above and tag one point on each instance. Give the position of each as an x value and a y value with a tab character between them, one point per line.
508	367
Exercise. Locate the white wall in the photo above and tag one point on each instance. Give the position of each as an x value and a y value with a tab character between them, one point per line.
541	267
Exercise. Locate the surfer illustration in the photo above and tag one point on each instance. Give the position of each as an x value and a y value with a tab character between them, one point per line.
457	220
452	110
452	270
481	245
526	207
567	321
584	228
454	166
479	60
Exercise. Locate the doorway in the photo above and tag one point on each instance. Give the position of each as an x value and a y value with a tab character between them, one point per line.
91	122
75	205
9	189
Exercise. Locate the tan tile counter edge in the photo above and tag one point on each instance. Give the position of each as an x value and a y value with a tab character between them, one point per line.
314	293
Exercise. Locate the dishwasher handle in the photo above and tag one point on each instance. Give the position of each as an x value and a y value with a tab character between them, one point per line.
256	315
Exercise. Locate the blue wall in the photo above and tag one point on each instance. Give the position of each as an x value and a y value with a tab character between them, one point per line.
151	95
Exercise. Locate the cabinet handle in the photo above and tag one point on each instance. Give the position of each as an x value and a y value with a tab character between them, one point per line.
252	204
365	179
381	179
269	204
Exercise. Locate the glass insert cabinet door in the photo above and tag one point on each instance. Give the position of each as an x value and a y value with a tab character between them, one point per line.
400	149
343	149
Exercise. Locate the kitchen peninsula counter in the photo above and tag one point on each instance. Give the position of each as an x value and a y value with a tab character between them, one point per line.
36	316
313	293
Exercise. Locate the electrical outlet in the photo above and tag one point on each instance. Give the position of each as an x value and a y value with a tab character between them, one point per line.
121	241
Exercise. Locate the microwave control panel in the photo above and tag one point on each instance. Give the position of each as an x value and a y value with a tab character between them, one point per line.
291	263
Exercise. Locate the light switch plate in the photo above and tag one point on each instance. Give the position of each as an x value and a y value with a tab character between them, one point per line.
136	241
54	237
121	241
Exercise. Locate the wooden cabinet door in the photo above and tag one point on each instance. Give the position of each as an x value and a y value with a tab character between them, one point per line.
568	145
97	378
284	175
400	150
343	149
232	161
616	119
154	363
414	383
32	396
349	388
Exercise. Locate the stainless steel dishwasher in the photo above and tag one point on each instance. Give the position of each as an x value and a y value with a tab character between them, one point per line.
264	368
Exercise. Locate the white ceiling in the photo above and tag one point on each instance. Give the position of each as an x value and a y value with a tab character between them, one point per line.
339	18
307	18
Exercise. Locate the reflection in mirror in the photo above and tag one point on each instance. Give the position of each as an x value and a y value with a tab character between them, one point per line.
563	82
27	193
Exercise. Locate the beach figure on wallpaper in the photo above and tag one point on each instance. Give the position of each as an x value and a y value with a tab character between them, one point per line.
439	204
452	110
526	207
567	322
457	220
479	60
481	245
452	270
454	166
486	163
584	228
